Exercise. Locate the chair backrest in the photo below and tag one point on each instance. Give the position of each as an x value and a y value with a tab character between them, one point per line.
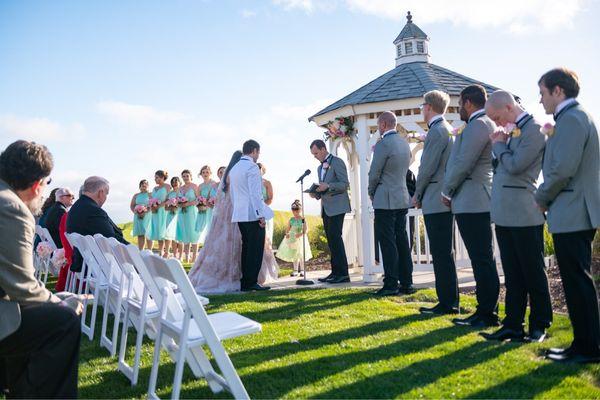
111	273
116	271
48	238
82	243
39	231
122	257
165	271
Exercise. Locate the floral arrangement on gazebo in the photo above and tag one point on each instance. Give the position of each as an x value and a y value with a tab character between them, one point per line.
341	127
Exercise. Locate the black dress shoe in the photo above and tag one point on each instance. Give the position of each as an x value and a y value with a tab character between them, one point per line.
325	278
505	333
559	350
255	287
477	321
339	279
537	335
407	289
438	309
573	357
386	292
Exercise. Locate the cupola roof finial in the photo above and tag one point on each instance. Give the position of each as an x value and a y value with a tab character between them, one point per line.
409	18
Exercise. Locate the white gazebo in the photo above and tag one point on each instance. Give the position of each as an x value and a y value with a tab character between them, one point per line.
399	90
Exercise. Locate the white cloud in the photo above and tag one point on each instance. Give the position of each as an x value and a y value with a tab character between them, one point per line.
38	129
137	115
516	16
248	13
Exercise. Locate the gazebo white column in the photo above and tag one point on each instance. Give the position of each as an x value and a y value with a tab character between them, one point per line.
366	224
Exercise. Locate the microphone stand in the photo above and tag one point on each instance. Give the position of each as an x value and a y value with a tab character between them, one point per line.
303	281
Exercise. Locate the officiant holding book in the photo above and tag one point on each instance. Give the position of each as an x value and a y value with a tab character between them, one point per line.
335	203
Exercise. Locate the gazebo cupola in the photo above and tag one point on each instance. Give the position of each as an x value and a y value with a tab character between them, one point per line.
412	44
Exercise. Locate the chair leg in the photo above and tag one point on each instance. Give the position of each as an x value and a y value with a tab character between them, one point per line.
123	366
179	367
197	357
155	363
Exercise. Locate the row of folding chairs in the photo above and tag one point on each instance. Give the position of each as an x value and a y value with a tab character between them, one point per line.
156	298
42	264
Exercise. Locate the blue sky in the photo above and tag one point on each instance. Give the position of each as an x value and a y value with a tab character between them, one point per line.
122	88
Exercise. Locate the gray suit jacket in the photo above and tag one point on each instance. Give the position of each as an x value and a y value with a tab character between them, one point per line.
571	167
519	165
438	145
468	179
387	175
17	282
335	200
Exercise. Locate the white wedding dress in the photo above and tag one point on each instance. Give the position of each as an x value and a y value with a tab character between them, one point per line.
218	266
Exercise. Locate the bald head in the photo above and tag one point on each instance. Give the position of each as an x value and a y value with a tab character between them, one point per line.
500	99
386	121
502	107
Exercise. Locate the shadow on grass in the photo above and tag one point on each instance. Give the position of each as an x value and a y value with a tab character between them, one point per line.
422	373
528	385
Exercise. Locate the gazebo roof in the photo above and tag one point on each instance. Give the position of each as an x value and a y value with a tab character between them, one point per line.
407	81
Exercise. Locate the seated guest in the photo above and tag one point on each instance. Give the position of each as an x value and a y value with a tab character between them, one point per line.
39	332
64	270
87	217
64	200
40	218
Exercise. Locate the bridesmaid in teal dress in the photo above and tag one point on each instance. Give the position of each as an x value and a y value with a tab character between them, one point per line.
158	224
171	243
187	218
141	222
207	189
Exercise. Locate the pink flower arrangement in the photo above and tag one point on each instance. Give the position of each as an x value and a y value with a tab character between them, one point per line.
548	129
202	203
57	261
211	202
341	127
171	205
43	250
325	165
154	203
182	200
457	131
140	210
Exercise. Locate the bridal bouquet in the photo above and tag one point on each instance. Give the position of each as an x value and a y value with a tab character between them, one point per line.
171	205
43	250
181	200
415	137
57	261
211	202
140	210
154	203
341	127
202	203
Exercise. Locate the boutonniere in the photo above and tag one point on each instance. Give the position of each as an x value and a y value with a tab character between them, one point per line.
512	130
457	131
548	129
325	165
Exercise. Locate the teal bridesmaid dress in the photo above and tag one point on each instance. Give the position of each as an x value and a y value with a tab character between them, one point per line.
140	225
172	216
187	220
205	217
158	224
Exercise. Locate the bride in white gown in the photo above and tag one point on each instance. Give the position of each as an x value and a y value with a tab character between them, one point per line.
218	266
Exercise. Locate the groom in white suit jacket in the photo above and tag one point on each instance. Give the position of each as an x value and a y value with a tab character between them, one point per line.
250	212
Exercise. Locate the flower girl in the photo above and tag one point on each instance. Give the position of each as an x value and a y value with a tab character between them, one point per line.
290	249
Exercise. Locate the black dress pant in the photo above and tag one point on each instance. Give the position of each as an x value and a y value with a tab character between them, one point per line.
253	247
476	232
42	356
522	255
390	226
411	237
574	256
333	226
439	231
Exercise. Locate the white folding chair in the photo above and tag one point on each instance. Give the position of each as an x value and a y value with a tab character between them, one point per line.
115	290
191	328
138	299
48	238
90	277
40	264
72	276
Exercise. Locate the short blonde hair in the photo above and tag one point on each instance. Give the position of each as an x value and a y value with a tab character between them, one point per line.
438	100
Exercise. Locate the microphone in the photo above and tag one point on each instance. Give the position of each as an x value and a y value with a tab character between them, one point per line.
304	175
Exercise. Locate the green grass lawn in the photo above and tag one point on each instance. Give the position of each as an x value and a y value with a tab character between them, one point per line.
344	343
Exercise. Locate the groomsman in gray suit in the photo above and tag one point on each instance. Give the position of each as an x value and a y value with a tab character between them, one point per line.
466	189
335	203
389	195
438	217
518	147
571	195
